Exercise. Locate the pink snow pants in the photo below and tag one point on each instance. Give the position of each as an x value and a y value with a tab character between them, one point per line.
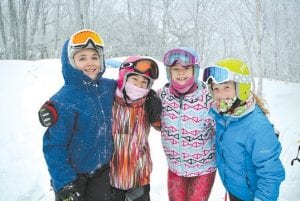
190	188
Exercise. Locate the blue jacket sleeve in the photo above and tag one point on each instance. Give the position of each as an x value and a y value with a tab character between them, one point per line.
265	150
55	147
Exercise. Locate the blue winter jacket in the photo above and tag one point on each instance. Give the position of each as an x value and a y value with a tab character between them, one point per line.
81	140
248	155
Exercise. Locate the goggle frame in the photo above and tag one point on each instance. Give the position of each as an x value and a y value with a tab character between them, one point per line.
181	56
142	66
82	38
220	74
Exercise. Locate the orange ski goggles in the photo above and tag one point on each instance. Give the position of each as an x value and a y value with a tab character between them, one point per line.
143	66
82	38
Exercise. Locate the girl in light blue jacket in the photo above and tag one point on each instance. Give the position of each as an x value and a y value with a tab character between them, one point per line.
247	147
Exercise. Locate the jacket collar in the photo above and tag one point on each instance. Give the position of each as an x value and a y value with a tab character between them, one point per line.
229	118
137	103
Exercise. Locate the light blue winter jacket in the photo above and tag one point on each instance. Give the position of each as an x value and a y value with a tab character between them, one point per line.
248	155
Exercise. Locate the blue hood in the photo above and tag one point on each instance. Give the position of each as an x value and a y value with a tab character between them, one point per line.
73	76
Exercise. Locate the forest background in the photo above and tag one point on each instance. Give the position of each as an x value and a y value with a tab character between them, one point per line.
264	33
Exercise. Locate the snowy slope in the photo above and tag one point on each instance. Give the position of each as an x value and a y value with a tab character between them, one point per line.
25	85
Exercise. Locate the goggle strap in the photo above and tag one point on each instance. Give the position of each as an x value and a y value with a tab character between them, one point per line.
89	41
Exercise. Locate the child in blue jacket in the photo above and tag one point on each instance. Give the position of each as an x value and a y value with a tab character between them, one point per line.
79	146
247	147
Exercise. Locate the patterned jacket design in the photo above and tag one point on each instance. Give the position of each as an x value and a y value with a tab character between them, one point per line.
188	132
131	163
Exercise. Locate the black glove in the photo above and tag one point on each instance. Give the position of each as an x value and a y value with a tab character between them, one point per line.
68	193
153	106
47	114
297	157
73	191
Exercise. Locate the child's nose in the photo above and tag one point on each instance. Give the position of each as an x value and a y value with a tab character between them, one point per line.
181	72
221	96
90	62
140	85
137	84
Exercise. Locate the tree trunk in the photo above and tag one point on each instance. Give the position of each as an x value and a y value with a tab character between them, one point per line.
276	40
57	28
42	46
149	22
289	46
166	4
129	14
259	30
23	32
196	29
13	40
3	34
86	16
33	27
78	15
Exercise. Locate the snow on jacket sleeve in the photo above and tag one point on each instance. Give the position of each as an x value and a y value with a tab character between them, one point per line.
265	150
55	147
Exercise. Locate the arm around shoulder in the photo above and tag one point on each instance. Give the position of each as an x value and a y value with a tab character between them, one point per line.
153	107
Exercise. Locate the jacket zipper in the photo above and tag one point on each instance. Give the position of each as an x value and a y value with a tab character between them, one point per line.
180	134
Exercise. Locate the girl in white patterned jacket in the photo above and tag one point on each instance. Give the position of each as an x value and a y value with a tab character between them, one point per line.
188	132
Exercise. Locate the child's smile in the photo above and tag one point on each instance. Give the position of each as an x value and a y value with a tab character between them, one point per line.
181	74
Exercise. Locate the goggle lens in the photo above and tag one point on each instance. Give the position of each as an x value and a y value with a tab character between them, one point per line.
83	37
182	57
218	74
143	66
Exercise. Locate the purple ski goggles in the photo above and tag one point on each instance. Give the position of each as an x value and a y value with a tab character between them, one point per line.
184	58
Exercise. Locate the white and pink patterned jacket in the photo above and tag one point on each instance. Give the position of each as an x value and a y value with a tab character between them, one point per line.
188	132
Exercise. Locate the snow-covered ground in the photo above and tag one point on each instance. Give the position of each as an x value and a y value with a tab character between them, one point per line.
25	85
